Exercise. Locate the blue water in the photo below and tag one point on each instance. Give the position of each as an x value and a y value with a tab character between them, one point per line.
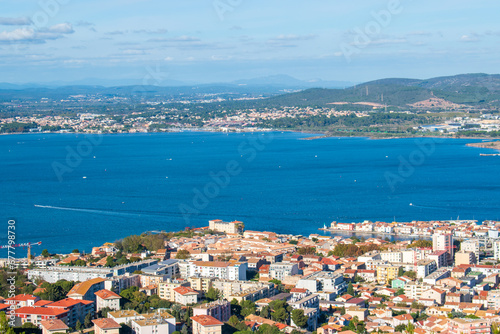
124	184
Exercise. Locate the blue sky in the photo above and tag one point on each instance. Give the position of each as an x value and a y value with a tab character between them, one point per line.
154	41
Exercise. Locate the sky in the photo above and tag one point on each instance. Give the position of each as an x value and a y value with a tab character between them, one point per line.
158	42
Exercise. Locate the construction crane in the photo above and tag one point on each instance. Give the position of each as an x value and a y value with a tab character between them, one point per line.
26	244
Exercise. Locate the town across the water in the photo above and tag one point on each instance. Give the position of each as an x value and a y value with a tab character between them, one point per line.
225	279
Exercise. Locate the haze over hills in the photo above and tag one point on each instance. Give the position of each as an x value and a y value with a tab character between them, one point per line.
464	90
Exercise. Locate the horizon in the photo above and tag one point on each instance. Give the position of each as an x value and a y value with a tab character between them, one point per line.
223	41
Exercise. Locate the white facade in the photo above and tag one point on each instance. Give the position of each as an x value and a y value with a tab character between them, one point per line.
234	271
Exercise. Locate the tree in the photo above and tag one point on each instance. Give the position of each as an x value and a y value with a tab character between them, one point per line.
233	321
350	289
399	292
400	328
280	315
76	251
400	272
213	294
110	262
78	326
247	307
265	312
306	251
29	325
88	320
410	328
235	307
45	253
299	319
183	254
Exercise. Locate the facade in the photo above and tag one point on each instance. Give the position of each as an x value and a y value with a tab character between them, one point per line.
425	268
465	258
443	242
166	289
471	245
154	325
86	290
232	270
122	282
218	225
386	273
106	326
281	270
205	324
36	315
185	295
219	309
440	257
201	283
77	309
106	298
323	281
468	326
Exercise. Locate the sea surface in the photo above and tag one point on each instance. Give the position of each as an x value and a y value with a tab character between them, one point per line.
75	191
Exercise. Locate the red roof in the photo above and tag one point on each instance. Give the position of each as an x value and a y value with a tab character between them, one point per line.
106	294
23	297
42	302
70	302
40	311
206	320
298	290
54	325
184	290
4	306
106	323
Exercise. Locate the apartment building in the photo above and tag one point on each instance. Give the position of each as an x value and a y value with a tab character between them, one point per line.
166	288
106	326
232	270
205	324
218	225
280	270
86	290
219	309
386	273
443	242
468	326
106	298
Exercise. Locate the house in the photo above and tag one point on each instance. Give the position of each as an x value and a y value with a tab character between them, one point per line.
205	324
22	300
124	316
106	326
403	319
86	290
435	294
106	298
469	326
53	326
361	313
185	295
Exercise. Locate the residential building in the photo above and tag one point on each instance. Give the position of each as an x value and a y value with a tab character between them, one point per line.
166	289
232	270
385	273
463	257
218	225
471	245
443	242
78	309
323	281
53	326
468	326
22	300
425	268
280	270
155	323
124	316
205	324
440	257
185	295
219	309
106	298
36	315
106	326
86	290
201	283
119	283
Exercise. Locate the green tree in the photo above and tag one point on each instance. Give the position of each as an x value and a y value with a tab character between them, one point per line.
265	312
279	315
45	253
401	272
247	307
299	318
410	328
182	254
400	328
78	326
76	251
88	320
213	294
233	321
235	308
306	251
350	289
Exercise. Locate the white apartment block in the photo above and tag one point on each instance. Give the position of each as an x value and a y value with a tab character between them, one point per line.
232	270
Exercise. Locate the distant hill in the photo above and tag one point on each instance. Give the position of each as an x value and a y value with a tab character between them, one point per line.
480	90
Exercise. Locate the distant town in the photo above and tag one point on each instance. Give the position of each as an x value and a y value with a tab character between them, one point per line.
225	279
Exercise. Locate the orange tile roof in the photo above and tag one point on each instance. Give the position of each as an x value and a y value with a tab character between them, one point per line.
184	290
82	288
106	323
69	302
23	297
40	311
4	306
206	320
106	294
211	264
54	325
42	303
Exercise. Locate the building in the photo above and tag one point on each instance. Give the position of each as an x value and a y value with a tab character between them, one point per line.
232	270
53	326
425	268
22	300
185	295
325	281
219	309
77	309
36	315
106	326
124	316
122	282
86	290
471	245
385	273
218	225
280	270
443	242
106	298
465	258
440	257
392	257
201	283
166	289
468	326
156	323
205	324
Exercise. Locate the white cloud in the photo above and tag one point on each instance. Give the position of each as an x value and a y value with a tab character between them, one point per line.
470	38
30	35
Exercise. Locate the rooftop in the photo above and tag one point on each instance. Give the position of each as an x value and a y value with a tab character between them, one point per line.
206	320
